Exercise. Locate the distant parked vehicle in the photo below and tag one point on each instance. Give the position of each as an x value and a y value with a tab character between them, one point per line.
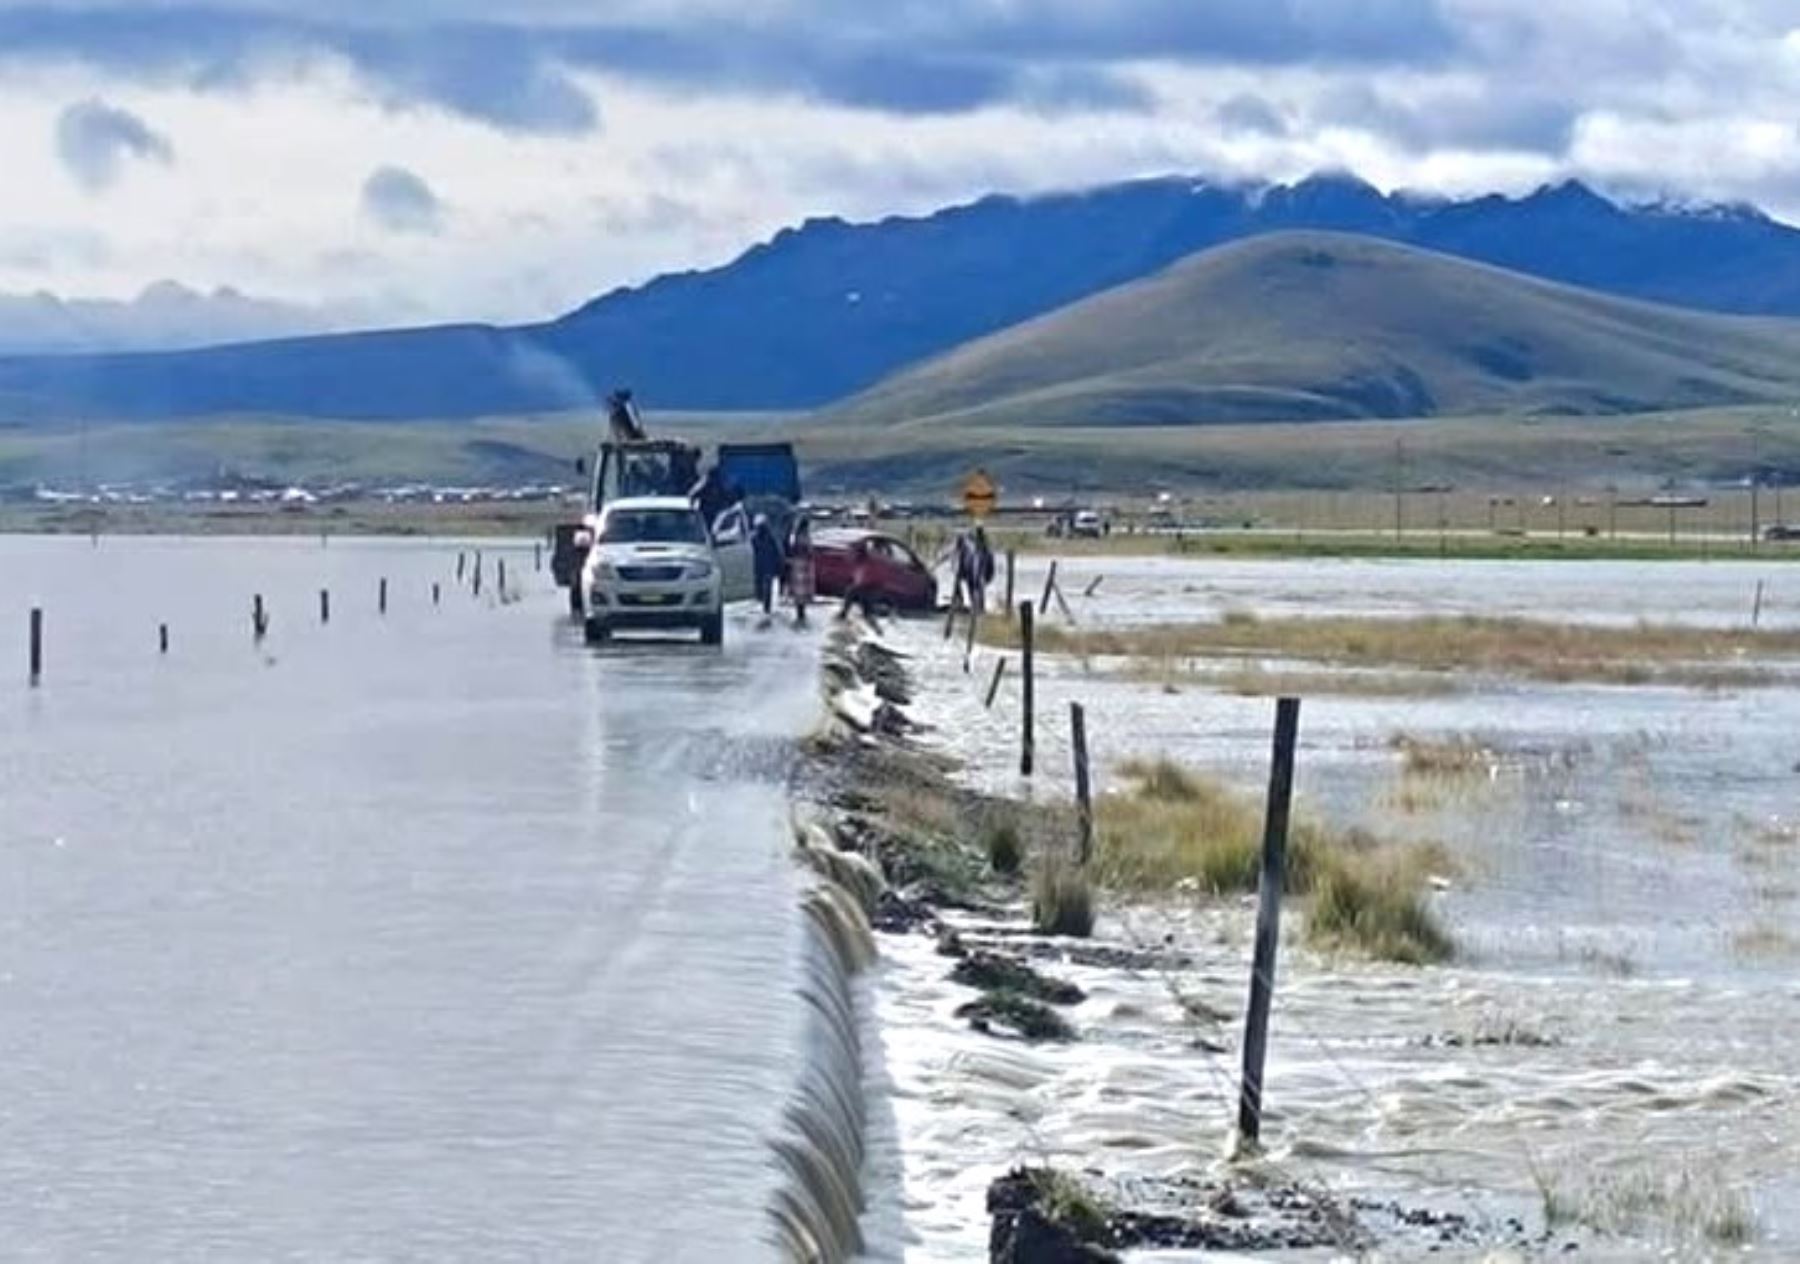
1087	525
1782	531
882	569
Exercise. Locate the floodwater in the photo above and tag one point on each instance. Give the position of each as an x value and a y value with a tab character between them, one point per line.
1142	590
1622	1024
432	936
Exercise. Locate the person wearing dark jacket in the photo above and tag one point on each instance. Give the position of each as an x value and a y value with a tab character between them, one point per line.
768	558
713	495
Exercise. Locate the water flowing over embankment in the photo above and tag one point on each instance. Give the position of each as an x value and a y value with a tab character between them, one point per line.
818	1207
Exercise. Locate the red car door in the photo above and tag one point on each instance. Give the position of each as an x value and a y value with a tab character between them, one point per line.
899	576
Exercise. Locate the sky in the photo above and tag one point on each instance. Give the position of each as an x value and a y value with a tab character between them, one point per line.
448	159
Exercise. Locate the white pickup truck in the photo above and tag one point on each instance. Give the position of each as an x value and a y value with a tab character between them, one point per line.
652	564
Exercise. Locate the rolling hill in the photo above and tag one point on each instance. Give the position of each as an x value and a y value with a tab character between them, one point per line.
1315	326
829	308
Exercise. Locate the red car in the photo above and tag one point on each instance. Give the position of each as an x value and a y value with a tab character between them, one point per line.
878	566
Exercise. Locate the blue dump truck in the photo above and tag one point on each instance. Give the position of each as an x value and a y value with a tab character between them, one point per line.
745	479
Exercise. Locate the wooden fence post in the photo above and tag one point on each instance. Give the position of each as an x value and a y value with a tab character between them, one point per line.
259	618
1268	923
461	560
1094	587
37	645
324	605
1012	562
537	555
1084	803
162	638
381	596
1027	736
437	592
1756	609
1049	587
994	684
477	577
500	577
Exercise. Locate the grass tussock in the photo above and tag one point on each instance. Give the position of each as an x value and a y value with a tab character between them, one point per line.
1003	845
1533	649
1377	906
1062	898
1447	757
1764	942
1693	1204
1067	1202
1177	830
1252	680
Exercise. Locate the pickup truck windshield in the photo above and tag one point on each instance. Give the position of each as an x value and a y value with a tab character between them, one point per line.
652	526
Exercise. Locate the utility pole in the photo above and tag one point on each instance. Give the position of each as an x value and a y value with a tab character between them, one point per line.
1755	487
1399	468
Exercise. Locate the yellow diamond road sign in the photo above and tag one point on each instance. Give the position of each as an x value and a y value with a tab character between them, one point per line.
979	494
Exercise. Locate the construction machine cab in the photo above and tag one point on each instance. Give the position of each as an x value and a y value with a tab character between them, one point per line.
643	467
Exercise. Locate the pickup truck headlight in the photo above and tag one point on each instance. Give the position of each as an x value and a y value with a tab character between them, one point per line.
700	570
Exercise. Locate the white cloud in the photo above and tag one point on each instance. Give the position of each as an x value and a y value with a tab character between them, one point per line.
621	164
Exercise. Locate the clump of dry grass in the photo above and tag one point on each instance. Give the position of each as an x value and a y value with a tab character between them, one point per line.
1062	898
1005	848
1256	681
1693	1203
1176	829
1378	907
1529	648
1444	756
1764	942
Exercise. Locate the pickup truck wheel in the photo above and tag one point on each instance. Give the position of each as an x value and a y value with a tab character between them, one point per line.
712	629
597	631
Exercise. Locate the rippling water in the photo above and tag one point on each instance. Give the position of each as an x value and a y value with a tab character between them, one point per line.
1627	900
438	936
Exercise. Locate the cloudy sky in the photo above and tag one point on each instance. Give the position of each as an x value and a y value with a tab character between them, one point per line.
423	159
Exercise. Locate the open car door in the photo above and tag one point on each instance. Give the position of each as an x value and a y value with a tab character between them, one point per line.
731	546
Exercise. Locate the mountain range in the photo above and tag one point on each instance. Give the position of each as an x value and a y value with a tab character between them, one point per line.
830	309
1312	326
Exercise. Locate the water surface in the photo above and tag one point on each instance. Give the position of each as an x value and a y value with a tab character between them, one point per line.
436	936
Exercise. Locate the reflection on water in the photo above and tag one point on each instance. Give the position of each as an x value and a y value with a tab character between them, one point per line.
432	936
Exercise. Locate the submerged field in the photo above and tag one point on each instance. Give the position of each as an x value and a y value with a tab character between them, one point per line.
1609	1052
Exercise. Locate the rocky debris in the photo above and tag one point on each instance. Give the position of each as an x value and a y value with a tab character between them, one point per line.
896	914
997	1013
993	972
1028	1228
884	670
1033	1206
1090	955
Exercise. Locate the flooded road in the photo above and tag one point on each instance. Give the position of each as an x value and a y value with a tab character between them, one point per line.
433	936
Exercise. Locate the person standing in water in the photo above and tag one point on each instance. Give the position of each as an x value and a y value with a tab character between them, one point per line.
800	576
767	557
